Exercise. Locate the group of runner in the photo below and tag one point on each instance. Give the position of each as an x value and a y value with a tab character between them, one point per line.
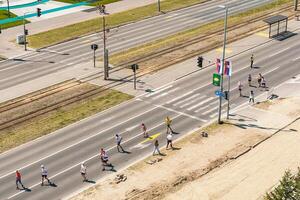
260	79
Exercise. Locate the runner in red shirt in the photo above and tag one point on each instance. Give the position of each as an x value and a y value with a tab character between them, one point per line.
18	180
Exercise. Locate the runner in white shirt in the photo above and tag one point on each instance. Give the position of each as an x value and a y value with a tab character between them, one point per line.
83	171
44	175
169	140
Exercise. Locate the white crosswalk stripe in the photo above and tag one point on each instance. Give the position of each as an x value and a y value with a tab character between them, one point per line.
160	90
185	100
212	109
179	97
192	101
206	106
201	103
165	93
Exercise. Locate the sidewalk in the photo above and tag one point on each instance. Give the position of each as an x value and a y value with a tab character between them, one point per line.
150	81
9	49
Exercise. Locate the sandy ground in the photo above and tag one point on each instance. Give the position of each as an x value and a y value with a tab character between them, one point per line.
228	164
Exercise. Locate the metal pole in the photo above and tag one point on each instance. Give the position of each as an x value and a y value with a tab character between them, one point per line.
222	65
25	41
228	107
296	5
104	48
158	2
134	77
94	58
8	9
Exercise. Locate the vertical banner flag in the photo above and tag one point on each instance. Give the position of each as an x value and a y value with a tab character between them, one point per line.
218	63
228	68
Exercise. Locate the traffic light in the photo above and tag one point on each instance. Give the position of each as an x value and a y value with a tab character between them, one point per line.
39	12
226	95
200	61
134	67
26	32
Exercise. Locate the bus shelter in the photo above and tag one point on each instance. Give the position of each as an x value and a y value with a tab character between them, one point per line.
277	25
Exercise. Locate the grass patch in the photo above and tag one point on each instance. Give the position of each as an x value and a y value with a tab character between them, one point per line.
4	15
182	37
91	4
42	125
75	30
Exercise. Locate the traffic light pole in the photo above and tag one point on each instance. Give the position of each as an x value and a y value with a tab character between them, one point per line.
296	5
228	106
8	9
158	4
24	27
222	65
134	77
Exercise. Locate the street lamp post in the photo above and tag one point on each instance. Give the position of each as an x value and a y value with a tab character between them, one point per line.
8	9
105	51
223	62
158	4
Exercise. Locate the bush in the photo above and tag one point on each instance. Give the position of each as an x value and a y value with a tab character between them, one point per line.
288	188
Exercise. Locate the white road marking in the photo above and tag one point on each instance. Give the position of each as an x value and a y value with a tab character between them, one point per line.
212	109
187	99
106	119
295	59
279	52
76	143
165	93
192	101
157	91
201	103
107	150
140	146
131	128
179	97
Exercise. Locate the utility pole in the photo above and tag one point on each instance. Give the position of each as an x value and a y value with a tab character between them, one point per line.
8	9
158	4
228	96
134	67
223	62
296	5
25	33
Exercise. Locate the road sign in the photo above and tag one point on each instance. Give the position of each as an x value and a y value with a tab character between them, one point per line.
219	93
94	47
216	79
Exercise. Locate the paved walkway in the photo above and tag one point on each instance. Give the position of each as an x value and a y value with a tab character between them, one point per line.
9	49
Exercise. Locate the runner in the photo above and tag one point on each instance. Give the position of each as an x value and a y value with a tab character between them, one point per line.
169	140
18	180
104	159
251	96
251	61
44	175
118	141
240	88
249	80
259	79
83	171
156	149
263	82
144	129
168	123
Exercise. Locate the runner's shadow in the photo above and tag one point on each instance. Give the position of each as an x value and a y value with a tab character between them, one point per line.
176	148
52	184
90	181
128	152
26	189
256	67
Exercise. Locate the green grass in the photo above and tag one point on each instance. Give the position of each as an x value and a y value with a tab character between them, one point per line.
4	15
37	127
75	30
92	4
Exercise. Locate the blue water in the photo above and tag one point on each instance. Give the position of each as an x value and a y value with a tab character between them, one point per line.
24	5
5	21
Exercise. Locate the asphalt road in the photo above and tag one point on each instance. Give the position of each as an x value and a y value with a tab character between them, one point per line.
36	64
190	102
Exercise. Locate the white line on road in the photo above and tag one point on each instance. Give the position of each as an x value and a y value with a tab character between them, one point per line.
79	142
179	97
279	52
165	93
201	103
187	99
212	109
157	91
92	157
192	101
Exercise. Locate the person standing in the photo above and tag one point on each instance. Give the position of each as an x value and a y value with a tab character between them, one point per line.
169	140
251	61
259	79
240	88
168	123
118	141
144	130
18	180
156	148
249	80
44	175
251	97
83	171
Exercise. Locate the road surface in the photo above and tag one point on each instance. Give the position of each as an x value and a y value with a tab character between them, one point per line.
190	102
